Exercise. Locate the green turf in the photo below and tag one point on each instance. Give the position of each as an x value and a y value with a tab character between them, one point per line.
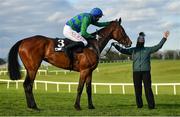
12	101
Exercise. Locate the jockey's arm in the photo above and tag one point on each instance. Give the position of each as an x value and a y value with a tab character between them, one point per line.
84	26
101	24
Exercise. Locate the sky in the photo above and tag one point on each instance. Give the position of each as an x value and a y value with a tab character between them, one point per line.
24	18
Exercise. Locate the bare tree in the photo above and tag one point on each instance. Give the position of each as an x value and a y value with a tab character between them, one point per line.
2	61
157	55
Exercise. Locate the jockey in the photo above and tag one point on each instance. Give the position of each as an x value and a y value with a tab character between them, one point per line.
76	28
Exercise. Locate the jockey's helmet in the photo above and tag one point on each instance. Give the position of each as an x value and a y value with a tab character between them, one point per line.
96	12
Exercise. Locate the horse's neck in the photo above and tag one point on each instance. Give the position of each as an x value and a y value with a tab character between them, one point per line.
105	33
103	43
106	36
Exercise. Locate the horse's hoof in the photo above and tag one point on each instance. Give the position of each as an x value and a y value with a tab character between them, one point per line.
77	107
91	107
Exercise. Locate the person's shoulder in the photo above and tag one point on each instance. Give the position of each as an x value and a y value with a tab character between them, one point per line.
85	15
148	49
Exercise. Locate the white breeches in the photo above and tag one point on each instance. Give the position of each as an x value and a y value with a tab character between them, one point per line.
73	35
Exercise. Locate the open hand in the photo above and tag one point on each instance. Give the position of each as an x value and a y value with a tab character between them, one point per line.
166	34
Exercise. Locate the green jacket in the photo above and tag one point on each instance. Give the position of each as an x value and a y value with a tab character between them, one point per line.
80	23
141	56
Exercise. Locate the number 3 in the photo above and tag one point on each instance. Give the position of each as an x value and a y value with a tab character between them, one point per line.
61	43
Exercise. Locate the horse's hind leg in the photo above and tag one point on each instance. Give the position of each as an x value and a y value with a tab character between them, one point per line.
28	88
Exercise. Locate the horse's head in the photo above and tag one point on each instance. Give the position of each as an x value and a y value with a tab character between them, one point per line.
119	34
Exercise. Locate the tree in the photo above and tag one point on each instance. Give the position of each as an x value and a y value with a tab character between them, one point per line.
170	54
2	61
112	55
157	55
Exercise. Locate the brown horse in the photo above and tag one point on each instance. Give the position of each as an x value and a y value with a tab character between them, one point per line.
34	50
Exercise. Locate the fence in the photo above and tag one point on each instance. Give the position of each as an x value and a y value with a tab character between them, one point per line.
41	71
94	85
4	72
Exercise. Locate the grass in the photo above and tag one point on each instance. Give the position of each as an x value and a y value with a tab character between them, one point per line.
13	103
55	104
163	71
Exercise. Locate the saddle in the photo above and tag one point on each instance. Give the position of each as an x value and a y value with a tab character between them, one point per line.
62	45
70	48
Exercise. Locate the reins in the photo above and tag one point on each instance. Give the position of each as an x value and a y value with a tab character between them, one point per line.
111	47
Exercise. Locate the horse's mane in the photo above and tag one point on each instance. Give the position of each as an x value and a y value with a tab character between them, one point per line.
102	32
112	23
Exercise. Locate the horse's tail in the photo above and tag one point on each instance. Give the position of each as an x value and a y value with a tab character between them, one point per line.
13	63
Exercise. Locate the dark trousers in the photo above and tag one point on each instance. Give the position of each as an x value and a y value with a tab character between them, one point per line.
145	77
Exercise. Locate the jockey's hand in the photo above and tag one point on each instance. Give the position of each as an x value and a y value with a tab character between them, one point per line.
98	37
166	34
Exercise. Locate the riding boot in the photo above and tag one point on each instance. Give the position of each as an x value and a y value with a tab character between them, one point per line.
69	53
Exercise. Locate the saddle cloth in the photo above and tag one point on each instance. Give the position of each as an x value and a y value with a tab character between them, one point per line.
61	43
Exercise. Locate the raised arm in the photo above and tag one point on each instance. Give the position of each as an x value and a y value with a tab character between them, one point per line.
161	43
122	50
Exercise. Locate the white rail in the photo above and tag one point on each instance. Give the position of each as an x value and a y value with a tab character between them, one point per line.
42	71
4	72
94	85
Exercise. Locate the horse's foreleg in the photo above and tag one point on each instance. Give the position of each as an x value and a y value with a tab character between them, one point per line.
28	87
83	75
89	91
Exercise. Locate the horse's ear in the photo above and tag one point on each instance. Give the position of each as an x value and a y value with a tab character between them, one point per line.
120	21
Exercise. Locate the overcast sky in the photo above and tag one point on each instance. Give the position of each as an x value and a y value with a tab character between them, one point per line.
24	18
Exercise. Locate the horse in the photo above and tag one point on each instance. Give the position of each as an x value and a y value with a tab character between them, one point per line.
33	50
